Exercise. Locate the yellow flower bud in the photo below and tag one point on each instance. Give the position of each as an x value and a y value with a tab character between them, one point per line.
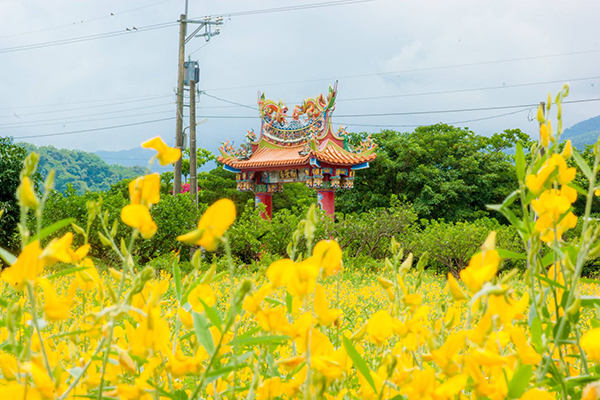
26	194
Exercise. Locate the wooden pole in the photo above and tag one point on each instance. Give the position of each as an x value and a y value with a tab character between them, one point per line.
179	124
193	153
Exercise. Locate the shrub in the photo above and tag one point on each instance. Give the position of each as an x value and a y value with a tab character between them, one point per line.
369	233
450	245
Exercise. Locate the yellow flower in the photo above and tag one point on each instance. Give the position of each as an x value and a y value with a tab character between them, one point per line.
544	135
56	308
88	279
325	315
212	225
272	319
537	394
526	353
567	151
59	250
303	278
28	266
487	358
590	343
145	190
566	174
269	389
452	387
26	194
444	356
482	268
591	391
379	327
166	155
186	318
43	382
201	292
138	216
280	271
454	288
252	302
8	366
329	256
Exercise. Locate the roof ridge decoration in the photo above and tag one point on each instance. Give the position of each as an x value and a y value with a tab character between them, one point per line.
305	137
309	120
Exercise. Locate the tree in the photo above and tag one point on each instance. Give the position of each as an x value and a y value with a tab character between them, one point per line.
11	163
444	171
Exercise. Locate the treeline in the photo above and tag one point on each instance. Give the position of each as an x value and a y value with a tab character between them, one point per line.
428	188
82	170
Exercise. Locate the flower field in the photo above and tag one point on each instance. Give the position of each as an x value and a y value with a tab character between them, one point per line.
303	326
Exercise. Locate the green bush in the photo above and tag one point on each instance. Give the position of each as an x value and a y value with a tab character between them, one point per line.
369	233
450	245
174	216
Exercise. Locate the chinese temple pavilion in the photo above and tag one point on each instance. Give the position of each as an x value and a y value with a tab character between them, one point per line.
301	148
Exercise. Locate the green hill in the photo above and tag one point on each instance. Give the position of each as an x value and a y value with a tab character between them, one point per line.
85	171
583	133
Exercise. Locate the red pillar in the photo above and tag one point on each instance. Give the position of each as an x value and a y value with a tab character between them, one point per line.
326	201
267	200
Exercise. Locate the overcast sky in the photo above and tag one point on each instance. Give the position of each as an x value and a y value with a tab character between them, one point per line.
375	49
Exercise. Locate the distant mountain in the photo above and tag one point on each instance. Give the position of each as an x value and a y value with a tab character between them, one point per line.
137	156
583	133
85	171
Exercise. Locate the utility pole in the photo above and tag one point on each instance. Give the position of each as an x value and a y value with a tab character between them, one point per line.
207	24
193	153
179	124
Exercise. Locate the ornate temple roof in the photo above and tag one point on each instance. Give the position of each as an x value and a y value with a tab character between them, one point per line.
300	140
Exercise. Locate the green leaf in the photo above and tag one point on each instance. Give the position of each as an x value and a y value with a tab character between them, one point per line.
7	256
203	334
582	164
66	272
49	230
271	300
579	189
548	259
519	381
177	278
359	362
550	282
227	369
288	302
257	340
213	315
535	327
520	161
511	254
590	301
3	303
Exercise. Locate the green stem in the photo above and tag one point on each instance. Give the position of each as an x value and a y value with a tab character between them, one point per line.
37	327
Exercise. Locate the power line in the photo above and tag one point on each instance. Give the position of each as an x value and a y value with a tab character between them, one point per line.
433	68
235	104
293	8
148	97
449	123
229	101
420	112
171	24
471	90
93	130
85	108
84	21
458	110
87	38
62	122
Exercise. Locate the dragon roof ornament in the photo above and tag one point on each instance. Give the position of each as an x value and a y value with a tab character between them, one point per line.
306	122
